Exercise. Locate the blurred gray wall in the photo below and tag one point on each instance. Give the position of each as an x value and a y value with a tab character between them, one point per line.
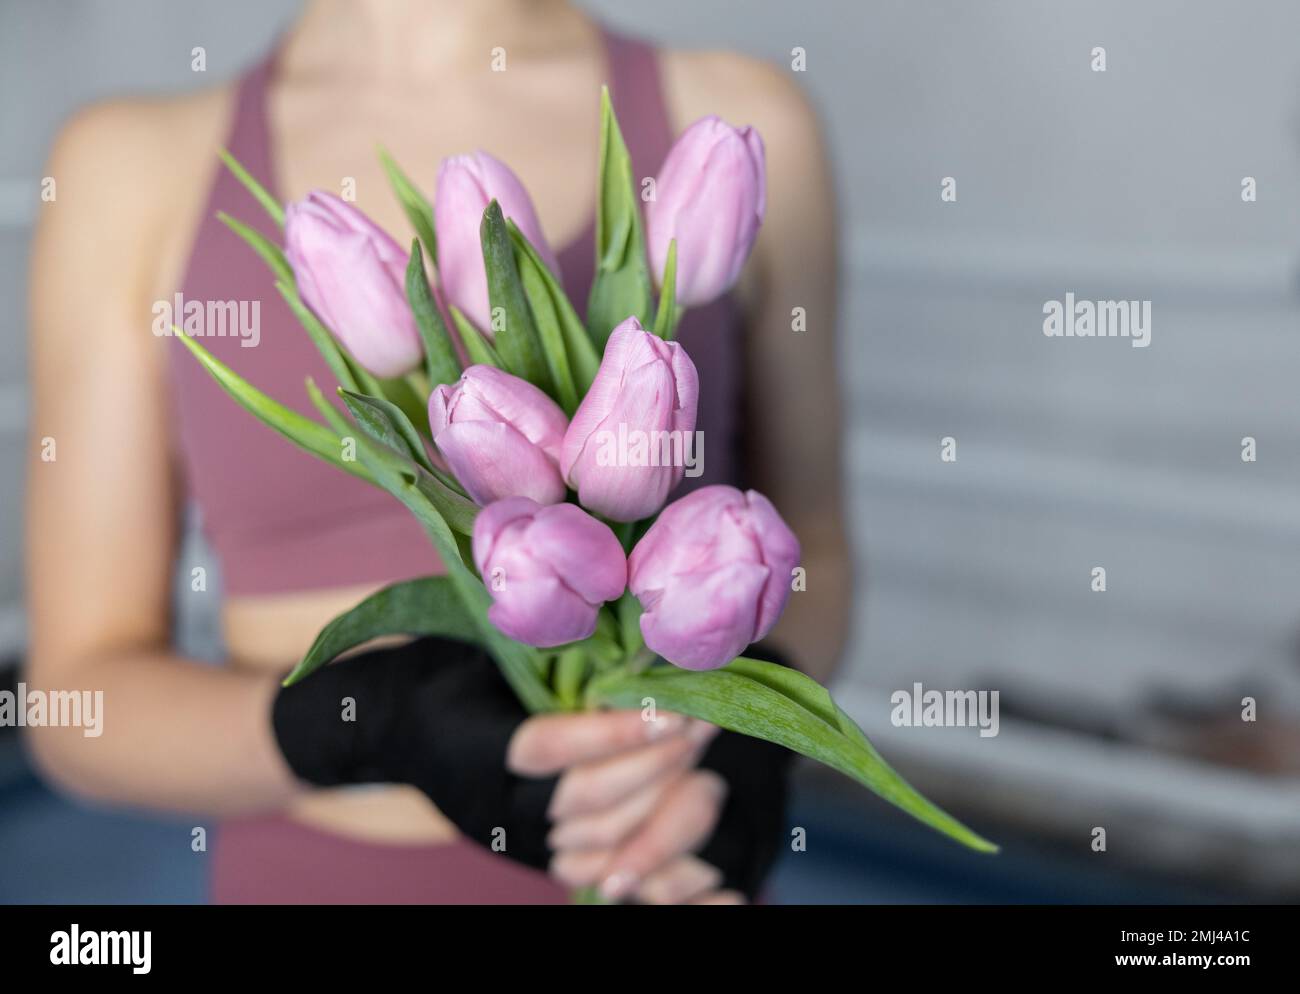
1071	453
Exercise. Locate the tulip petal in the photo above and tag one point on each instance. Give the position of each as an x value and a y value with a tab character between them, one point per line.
615	487
584	553
458	206
704	620
618	452
493	460
508	398
758	159
493	520
466	184
622	344
542	612
348	217
716	559
548	569
710	197
687	381
369	309
345	270
683	539
440	401
780	551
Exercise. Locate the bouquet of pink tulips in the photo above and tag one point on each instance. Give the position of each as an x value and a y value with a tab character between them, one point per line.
561	558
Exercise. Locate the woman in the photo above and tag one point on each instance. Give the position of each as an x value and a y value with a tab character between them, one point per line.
138	428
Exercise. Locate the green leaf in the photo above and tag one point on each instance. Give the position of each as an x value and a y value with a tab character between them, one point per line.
799	687
374	419
386	423
271	253
272	206
425	606
583	359
549	333
736	700
516	341
458	510
402	393
622	286
440	360
520	664
414	204
303	432
365	380
477	348
667	316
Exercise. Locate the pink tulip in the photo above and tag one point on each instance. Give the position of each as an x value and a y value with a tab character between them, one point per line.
500	435
646	391
353	276
466	185
712	575
548	569
710	195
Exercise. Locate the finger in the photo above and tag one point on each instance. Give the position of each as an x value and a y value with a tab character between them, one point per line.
685	818
587	788
722	897
545	744
682	881
579	868
609	826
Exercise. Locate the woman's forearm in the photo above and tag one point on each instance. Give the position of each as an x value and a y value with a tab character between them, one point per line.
172	734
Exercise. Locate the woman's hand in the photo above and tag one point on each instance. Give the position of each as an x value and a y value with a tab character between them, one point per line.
630	807
611	800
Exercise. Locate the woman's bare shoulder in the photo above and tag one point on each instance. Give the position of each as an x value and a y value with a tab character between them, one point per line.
738	88
143	137
138	168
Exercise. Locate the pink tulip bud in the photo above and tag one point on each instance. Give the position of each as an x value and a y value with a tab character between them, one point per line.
466	185
548	569
712	575
500	435
710	195
353	276
625	448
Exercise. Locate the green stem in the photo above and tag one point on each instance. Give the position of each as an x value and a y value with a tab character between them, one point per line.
629	623
418	380
570	671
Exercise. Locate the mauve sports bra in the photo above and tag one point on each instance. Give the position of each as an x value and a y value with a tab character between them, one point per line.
278	519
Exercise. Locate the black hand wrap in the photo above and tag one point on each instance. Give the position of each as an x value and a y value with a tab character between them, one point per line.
433	713
751	828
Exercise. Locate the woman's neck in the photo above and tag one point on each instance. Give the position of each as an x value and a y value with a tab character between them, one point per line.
374	40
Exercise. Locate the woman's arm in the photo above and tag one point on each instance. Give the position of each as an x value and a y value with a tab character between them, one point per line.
102	534
101	514
793	418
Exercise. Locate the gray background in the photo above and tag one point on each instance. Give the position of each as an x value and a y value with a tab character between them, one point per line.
1071	453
